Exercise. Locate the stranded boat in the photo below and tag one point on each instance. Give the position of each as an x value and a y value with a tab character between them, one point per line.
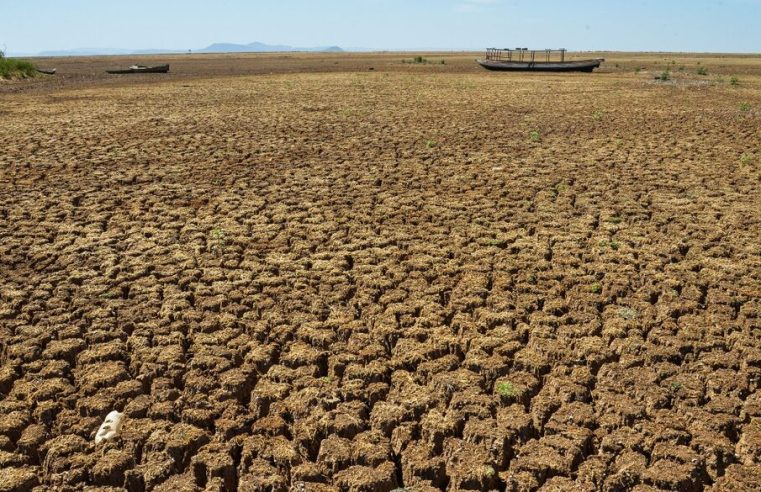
142	69
521	59
46	71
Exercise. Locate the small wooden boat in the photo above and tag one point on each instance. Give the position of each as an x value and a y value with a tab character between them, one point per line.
46	71
141	69
523	60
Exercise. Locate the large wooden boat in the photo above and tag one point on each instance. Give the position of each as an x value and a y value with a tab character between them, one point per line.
525	60
141	69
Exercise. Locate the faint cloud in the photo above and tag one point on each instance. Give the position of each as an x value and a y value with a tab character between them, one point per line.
468	6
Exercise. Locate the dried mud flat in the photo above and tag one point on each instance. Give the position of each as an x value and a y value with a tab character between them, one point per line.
364	281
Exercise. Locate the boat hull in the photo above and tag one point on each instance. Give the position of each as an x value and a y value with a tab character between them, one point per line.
528	66
157	69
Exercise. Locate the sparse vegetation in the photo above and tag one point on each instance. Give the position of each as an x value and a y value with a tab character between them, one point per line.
664	76
745	160
637	70
597	115
505	389
12	68
217	240
627	313
614	245
419	60
734	81
535	136
431	144
744	107
702	71
595	288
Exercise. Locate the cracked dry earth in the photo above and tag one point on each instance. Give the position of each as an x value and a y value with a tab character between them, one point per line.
371	281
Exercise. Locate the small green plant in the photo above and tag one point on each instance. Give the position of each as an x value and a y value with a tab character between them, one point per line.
675	386
702	71
443	62
745	160
418	60
664	76
734	81
505	389
614	245
637	70
218	240
681	68
595	288
614	219
597	115
431	144
535	137
532	279
744	107
627	313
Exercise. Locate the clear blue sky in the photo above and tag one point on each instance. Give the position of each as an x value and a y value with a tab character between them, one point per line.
30	26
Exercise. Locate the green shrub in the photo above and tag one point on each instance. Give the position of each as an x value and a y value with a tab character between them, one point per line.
702	71
734	81
418	60
12	67
744	107
664	76
535	137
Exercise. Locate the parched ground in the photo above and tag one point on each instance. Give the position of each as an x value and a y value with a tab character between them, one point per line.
422	277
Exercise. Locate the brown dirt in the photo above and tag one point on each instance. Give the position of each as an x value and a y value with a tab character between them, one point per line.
331	278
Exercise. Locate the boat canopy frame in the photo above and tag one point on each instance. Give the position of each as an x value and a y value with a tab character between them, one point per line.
523	54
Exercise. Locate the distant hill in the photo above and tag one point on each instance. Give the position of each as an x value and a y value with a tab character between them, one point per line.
257	47
254	47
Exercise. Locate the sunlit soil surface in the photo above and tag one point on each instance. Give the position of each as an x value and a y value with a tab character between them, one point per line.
431	277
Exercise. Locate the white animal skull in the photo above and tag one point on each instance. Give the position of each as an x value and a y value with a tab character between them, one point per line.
110	427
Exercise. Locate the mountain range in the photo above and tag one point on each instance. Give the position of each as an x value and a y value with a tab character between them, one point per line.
254	47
